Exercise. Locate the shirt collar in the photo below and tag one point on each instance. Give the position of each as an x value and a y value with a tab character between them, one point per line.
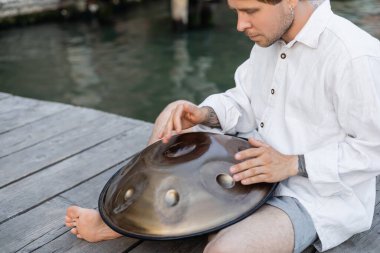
317	23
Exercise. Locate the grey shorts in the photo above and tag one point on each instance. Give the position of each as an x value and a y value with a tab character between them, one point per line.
304	230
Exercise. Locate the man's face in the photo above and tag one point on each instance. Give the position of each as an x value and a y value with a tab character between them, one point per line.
262	23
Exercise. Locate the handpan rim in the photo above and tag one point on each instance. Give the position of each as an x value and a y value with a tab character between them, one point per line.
147	236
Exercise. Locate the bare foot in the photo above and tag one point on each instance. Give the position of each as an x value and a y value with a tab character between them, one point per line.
88	225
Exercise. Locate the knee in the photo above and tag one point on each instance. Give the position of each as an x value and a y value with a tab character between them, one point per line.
216	246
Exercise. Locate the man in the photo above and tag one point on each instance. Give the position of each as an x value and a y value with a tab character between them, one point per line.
310	94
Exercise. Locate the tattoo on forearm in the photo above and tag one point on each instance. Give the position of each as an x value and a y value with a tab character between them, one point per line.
211	118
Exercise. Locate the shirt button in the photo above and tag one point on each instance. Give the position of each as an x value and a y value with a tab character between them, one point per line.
262	124
283	56
272	91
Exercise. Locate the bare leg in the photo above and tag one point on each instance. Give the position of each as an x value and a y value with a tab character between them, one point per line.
267	230
88	225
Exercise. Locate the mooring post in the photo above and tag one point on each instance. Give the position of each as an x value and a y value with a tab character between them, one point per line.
191	13
179	13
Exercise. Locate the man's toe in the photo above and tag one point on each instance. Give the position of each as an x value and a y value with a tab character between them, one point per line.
73	212
74	231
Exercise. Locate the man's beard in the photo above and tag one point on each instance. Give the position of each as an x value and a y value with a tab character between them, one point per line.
276	35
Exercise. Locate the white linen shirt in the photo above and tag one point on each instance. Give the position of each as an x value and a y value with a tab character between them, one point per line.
318	95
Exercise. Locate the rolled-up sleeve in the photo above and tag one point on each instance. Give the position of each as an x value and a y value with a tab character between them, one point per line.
338	166
233	107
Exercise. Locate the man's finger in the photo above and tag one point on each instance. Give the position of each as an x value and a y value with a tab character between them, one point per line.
161	131
168	129
250	163
249	153
251	172
177	118
257	143
262	178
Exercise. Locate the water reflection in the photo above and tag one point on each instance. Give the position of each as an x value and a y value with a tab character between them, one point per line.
364	13
182	66
189	76
83	75
135	66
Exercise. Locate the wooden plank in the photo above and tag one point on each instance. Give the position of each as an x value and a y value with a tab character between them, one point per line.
47	218
4	95
310	249
14	8
58	148
40	130
16	103
190	245
16	112
22	233
69	243
87	194
29	192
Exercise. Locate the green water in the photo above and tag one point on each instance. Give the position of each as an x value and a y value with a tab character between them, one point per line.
135	66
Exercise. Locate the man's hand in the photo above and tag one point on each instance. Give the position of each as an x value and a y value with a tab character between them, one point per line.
182	116
164	125
161	121
262	163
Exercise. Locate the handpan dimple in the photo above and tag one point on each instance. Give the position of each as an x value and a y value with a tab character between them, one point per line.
180	189
226	181
171	197
129	193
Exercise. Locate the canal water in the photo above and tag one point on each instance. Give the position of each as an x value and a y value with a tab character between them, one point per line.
136	65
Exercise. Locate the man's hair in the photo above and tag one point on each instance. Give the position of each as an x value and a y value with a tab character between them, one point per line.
273	2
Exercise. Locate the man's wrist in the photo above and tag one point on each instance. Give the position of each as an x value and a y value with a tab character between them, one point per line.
211	119
302	166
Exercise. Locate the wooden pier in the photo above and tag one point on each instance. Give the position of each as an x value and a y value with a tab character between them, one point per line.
54	155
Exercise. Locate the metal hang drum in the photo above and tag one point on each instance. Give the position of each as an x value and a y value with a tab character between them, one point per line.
180	189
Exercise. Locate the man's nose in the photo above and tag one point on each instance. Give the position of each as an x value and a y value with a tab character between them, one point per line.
242	22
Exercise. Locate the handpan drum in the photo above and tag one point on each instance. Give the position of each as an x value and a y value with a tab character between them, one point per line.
180	189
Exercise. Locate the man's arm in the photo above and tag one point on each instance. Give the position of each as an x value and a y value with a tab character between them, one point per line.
233	108
355	159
